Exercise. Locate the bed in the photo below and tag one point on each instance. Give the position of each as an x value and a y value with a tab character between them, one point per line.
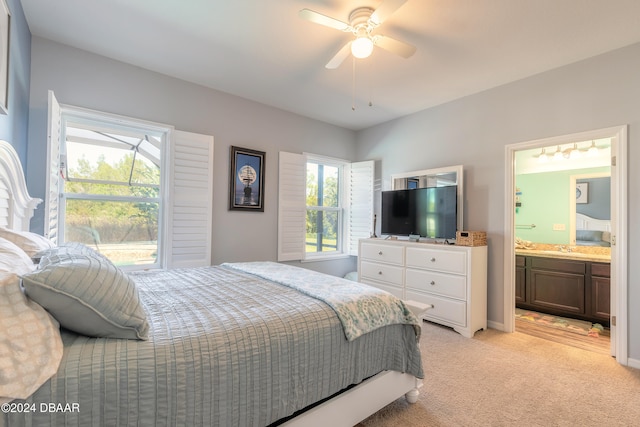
240	344
592	231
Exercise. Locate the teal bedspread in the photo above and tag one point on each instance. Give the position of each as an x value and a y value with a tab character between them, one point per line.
225	348
360	308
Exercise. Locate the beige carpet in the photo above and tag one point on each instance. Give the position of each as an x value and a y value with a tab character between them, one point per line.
500	379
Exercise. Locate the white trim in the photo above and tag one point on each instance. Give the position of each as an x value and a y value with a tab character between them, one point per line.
52	205
354	405
619	274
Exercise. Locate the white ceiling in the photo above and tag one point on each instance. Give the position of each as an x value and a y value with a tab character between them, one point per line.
261	50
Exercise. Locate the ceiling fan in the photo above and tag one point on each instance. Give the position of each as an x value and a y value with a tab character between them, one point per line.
362	22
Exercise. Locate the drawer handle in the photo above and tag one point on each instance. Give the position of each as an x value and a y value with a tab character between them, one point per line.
432	283
380	253
433	260
380	273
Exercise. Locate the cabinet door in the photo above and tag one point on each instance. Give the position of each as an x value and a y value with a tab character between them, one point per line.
601	298
558	291
521	289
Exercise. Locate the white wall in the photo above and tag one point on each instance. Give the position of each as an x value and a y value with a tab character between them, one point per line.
600	92
86	80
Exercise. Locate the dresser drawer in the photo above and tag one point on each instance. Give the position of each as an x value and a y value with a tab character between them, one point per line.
439	260
448	311
382	253
394	290
382	273
603	270
437	283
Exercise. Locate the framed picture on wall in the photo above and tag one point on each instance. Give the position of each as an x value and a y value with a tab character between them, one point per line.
246	181
582	192
5	21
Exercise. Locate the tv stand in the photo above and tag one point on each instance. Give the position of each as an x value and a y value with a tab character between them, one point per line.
453	279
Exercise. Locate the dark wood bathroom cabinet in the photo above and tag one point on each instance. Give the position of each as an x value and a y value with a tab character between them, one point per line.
564	287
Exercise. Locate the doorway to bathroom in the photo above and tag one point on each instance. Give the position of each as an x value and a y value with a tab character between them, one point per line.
569	262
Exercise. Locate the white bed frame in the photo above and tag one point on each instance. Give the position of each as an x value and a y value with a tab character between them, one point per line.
16	206
585	222
346	409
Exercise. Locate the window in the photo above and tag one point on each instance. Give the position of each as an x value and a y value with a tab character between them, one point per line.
324	206
110	187
138	192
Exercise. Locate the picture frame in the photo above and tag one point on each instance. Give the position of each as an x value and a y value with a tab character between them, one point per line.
5	33
582	192
246	179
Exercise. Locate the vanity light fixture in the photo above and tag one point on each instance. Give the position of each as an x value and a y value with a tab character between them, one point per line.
593	150
574	153
557	156
543	157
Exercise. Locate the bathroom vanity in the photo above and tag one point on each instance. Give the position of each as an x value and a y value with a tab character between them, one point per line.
575	285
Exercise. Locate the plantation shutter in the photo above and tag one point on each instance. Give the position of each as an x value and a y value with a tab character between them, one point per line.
292	189
292	186
190	200
360	215
52	193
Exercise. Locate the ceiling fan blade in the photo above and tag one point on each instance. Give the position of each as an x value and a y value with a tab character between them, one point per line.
394	46
385	10
339	57
325	20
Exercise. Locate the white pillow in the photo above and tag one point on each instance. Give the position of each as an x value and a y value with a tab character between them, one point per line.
30	342
13	259
29	242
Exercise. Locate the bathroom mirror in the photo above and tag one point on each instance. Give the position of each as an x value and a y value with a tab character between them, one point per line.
590	223
440	177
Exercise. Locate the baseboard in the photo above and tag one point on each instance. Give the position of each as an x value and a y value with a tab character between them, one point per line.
495	325
633	363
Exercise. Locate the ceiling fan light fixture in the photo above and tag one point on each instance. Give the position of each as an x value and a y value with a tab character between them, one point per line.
362	47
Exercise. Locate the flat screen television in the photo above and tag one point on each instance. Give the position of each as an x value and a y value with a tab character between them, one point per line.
428	212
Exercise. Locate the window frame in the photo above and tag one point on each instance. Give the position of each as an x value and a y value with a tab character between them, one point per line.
341	242
75	115
358	191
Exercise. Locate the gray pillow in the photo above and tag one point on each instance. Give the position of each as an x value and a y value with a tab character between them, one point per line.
49	255
87	294
589	235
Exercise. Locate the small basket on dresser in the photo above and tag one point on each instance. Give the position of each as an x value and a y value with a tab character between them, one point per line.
471	238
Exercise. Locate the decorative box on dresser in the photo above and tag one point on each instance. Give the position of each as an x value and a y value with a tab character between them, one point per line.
453	279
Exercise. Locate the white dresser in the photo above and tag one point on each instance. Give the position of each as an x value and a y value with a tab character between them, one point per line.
451	278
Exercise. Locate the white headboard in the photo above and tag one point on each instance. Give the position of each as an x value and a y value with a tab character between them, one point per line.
16	206
584	222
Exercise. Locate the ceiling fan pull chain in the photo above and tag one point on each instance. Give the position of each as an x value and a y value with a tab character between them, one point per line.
370	86
353	85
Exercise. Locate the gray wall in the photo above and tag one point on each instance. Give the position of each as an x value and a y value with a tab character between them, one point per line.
86	80
599	199
13	125
600	92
